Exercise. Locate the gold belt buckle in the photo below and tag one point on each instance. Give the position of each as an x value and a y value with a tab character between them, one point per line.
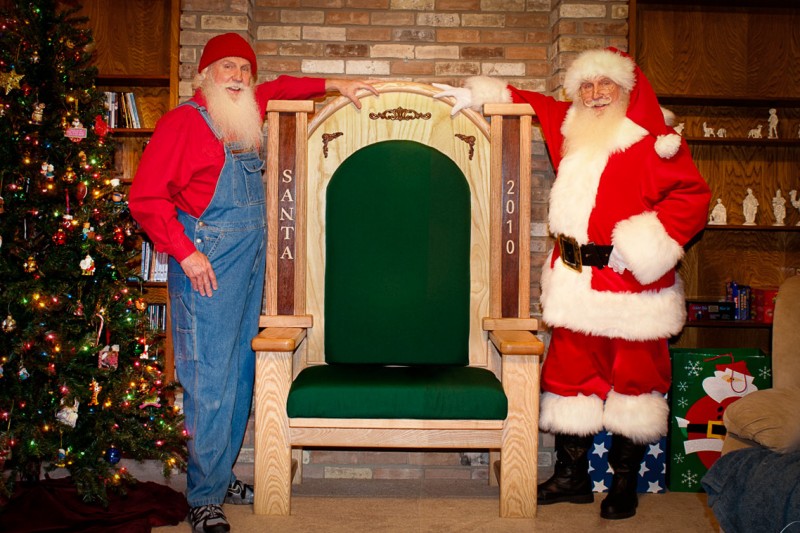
570	253
710	429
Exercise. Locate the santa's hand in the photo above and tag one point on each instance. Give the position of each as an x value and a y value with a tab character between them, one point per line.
616	262
462	96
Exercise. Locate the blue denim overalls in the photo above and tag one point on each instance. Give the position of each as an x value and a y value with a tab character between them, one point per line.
211	336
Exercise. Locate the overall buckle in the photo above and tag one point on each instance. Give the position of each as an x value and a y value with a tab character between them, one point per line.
570	253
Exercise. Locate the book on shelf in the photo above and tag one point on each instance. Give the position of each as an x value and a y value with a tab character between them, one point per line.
157	314
154	264
121	110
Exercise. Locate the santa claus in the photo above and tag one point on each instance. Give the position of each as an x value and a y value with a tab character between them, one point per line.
626	200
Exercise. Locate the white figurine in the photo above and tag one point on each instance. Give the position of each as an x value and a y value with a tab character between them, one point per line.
795	201
750	207
779	208
708	131
679	128
722	132
719	215
773	124
755	133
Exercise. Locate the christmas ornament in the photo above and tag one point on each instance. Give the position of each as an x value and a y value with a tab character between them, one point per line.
100	126
9	324
68	415
29	265
108	357
78	309
35	57
82	191
113	455
10	80
119	236
60	237
76	132
69	176
23	373
38	113
88	231
151	401
95	388
87	266
141	304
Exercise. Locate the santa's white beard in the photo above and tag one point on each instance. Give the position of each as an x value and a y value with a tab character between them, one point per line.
587	129
236	120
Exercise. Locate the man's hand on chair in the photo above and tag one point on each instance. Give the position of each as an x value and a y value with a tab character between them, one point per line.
462	96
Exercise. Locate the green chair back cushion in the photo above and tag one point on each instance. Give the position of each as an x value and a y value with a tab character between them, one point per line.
373	391
397	281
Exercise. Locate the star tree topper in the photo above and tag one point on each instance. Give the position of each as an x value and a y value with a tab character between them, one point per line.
10	80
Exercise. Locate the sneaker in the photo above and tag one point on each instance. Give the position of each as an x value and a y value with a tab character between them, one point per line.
239	493
208	519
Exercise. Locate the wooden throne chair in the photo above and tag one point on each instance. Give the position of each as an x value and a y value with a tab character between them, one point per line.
397	309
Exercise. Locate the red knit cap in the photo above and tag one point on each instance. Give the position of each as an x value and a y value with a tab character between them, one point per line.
227	45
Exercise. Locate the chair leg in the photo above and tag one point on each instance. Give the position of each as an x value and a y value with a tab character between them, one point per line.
518	457
273	451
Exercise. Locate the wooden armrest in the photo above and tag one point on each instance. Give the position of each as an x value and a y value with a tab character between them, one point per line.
510	342
522	324
288	321
278	339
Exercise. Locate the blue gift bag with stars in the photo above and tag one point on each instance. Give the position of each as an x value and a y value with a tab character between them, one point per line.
652	470
704	382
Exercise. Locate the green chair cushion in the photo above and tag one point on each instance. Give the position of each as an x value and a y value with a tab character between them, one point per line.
372	391
397	258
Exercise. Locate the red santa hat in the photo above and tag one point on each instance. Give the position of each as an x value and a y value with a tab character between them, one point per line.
227	45
643	108
736	367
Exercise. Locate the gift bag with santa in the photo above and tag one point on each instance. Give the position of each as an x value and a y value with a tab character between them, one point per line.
704	382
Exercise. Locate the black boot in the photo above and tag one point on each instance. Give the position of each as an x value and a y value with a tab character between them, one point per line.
570	482
625	458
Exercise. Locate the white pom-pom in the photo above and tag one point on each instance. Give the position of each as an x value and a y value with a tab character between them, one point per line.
668	145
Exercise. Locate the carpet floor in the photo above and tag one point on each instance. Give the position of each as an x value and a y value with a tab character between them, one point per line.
442	506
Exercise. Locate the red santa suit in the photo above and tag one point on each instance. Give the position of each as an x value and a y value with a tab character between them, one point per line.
637	190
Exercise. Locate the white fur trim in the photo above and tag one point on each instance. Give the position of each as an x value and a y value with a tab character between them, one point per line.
667	145
486	90
572	197
571	415
669	116
594	64
643	418
646	247
569	301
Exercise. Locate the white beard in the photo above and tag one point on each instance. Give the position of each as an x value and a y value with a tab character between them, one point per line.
587	130
236	120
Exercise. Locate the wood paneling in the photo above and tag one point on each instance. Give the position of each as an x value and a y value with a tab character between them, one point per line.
724	65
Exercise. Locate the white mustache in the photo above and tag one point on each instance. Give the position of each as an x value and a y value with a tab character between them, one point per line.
598	102
238	86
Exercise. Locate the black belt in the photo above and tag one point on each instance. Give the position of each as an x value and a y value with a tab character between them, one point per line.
713	429
575	256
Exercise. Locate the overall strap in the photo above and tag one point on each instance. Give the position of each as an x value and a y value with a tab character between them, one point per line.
204	113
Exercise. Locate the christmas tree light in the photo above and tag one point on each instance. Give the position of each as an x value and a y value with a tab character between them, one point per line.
81	373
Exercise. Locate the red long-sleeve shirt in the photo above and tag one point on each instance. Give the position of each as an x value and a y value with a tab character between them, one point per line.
181	164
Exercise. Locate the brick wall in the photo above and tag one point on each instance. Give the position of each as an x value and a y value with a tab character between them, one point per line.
529	43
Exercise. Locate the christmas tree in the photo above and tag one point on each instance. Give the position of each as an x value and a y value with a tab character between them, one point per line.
81	382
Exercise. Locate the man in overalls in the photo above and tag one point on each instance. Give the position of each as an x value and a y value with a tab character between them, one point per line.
198	193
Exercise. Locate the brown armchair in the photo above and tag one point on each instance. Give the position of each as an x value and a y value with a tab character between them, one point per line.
771	417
